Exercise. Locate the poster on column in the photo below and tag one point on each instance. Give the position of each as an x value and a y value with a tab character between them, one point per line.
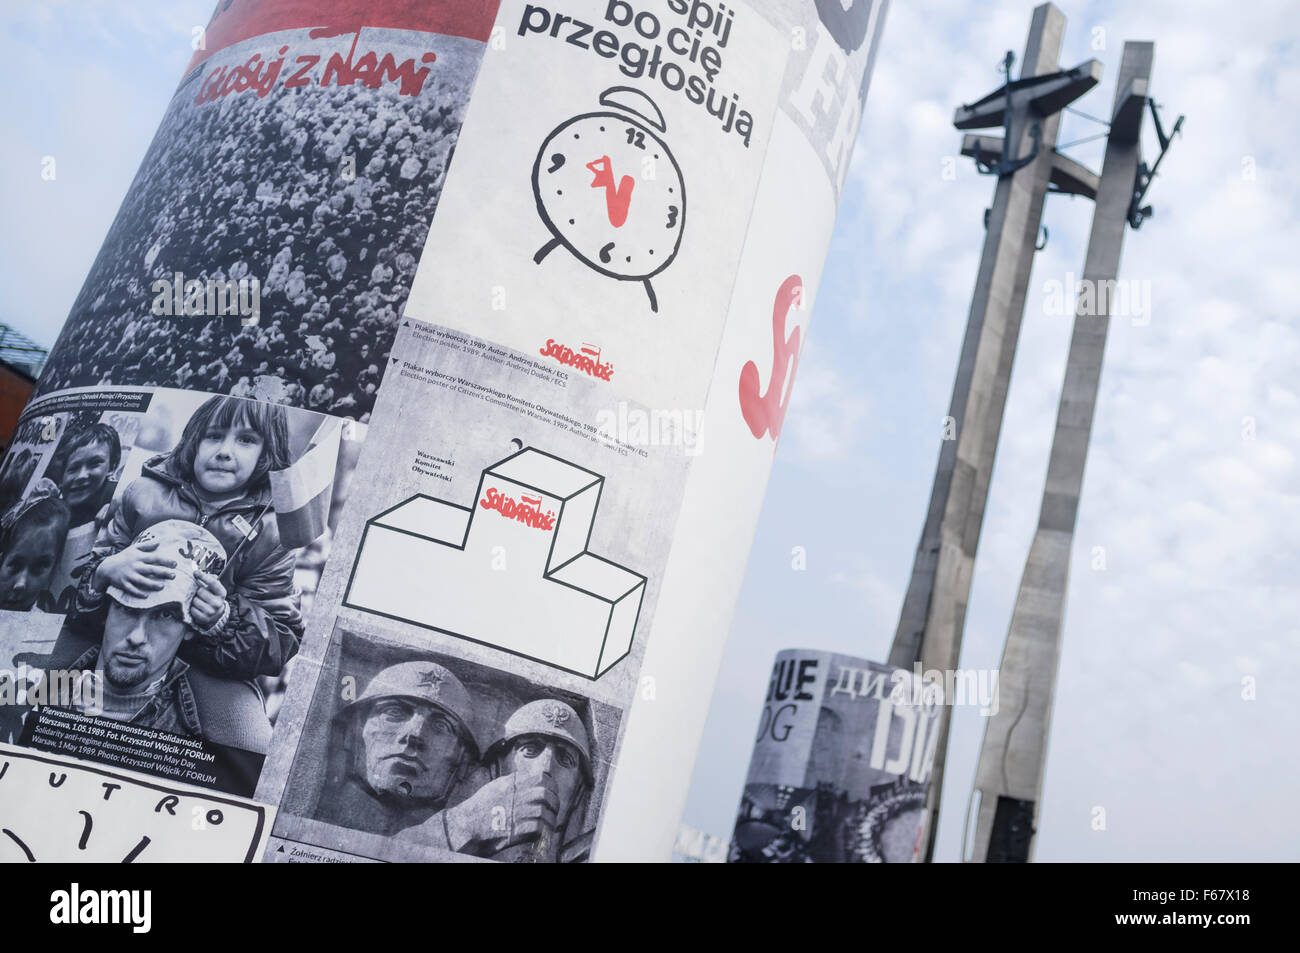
841	762
540	418
167	544
299	165
605	177
505	576
172	493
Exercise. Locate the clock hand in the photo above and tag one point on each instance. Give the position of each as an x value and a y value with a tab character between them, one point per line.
617	198
135	851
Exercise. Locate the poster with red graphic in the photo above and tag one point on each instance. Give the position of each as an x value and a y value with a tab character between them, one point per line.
607	170
582	405
299	163
518	559
827	60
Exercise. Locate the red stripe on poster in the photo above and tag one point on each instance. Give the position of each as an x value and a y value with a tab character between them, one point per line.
234	21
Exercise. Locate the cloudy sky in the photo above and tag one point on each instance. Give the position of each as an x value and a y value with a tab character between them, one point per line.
1191	487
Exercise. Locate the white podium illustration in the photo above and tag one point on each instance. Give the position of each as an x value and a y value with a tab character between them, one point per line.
512	571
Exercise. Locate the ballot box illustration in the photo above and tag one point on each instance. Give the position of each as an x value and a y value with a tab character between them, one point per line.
511	571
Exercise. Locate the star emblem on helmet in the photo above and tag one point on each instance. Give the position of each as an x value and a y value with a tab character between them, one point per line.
555	715
432	679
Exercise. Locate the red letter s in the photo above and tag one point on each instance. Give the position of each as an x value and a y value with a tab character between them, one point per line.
766	411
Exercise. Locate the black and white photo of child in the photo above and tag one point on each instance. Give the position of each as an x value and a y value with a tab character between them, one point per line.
32	534
202	459
146	490
84	467
217	476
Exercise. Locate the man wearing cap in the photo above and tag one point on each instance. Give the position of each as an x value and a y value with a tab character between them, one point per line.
541	775
135	663
399	748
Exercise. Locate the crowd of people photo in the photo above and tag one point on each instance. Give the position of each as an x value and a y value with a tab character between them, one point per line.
321	194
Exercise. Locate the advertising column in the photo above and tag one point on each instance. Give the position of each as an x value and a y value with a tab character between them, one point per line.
170	495
514	626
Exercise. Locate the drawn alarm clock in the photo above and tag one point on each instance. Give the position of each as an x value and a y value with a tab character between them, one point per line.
610	191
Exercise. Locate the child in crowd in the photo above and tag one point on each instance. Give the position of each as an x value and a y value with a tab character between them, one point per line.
248	617
31	541
83	468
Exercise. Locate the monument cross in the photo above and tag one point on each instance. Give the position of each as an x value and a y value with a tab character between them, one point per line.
934	607
1009	776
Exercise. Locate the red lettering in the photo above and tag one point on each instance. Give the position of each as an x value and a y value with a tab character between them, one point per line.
765	411
512	509
617	197
570	358
300	78
370	70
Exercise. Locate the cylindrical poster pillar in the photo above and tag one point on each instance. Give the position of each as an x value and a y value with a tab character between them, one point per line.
578	242
841	764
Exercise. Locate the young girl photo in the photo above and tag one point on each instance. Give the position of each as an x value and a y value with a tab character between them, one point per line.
248	616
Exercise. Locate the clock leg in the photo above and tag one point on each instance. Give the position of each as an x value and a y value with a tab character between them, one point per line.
546	250
649	290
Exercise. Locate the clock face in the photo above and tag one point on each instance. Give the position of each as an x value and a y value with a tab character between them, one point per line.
58	810
609	189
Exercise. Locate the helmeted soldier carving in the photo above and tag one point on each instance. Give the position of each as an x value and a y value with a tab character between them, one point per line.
401	748
541	778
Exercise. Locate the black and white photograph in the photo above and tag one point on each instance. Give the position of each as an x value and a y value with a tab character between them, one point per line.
50	517
33	441
206	519
409	754
319	194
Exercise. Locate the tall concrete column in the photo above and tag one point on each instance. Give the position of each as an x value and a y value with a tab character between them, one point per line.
934	608
1009	776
